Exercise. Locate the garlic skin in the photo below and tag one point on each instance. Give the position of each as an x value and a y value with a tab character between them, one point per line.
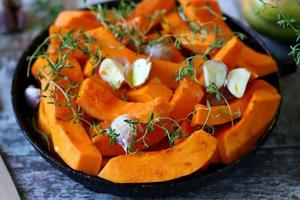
159	51
214	72
237	81
139	72
124	130
32	96
112	72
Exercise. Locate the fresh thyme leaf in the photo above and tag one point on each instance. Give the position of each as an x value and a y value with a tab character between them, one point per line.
113	135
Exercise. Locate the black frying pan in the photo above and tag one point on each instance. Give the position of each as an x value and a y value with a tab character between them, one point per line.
25	116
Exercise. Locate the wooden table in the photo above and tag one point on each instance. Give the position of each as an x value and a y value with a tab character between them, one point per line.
272	173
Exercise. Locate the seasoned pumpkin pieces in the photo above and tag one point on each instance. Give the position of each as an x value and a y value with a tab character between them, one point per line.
73	145
186	96
191	40
233	142
110	47
183	159
103	105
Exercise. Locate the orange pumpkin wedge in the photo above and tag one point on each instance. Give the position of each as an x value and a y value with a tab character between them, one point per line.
101	104
218	115
233	142
184	159
77	19
149	7
150	91
186	96
230	52
73	145
104	145
257	63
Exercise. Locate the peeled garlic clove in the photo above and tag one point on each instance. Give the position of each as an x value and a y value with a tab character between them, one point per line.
214	72
111	71
237	81
32	96
140	70
159	51
126	131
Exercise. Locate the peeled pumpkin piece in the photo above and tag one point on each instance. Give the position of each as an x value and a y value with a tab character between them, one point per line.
182	160
103	144
258	64
218	115
186	96
43	123
230	52
73	145
233	142
207	14
77	19
55	41
164	70
191	40
150	91
92	71
101	104
74	73
149	7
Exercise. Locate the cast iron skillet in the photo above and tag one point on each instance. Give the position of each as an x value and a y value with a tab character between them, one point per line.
25	116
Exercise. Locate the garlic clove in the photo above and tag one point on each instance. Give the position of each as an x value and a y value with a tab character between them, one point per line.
124	130
32	96
159	51
214	72
111	71
140	70
237	81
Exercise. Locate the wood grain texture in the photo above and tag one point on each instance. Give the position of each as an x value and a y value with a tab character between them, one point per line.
272	173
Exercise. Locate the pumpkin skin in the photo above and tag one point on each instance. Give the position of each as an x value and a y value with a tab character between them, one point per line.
183	159
235	141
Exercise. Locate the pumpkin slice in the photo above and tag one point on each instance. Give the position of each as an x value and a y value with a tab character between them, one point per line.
103	105
55	41
103	144
230	52
218	115
233	142
190	40
257	63
77	19
149	7
112	48
43	123
74	146
186	96
53	94
74	72
149	92
207	14
183	159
